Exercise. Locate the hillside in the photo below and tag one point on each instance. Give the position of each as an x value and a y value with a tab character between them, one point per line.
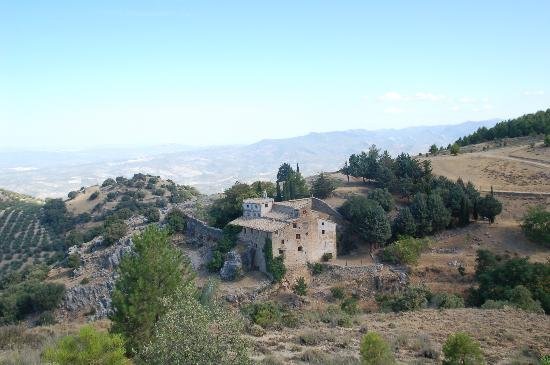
23	239
54	174
528	124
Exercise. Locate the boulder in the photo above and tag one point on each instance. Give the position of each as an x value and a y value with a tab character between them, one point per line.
232	267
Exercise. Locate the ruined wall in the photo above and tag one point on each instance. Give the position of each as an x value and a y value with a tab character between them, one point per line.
201	231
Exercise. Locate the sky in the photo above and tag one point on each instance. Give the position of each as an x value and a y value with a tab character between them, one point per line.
79	74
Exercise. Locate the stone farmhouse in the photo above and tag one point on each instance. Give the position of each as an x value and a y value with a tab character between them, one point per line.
300	230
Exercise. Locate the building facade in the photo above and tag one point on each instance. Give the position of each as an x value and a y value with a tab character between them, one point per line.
297	231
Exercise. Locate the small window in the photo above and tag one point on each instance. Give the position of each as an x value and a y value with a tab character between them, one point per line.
300	248
266	205
294	225
281	252
322	223
248	205
323	231
298	236
282	242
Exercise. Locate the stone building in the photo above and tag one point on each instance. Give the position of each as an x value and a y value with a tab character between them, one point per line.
300	230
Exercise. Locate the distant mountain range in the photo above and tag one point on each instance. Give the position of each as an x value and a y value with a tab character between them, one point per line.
211	169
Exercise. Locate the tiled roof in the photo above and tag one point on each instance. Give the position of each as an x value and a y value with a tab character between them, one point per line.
296	204
261	224
258	200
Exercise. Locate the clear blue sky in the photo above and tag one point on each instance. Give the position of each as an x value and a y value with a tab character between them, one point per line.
85	73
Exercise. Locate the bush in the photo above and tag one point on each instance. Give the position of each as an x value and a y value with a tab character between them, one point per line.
461	349
46	319
375	351
176	221
275	266
455	149
216	262
301	287
265	314
446	301
323	186
94	195
152	214
337	292
89	346
521	298
73	261
114	229
349	306
383	197
412	298
316	268
547	140
327	256
72	195
406	250
108	182
536	225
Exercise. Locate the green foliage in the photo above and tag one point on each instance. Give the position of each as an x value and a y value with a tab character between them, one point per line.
489	207
265	314
547	140
327	256
438	213
274	265
536	225
537	123
433	149
229	207
55	216
114	229
294	187
520	297
94	195
89	346
176	221
316	268
196	332
446	301
404	223
412	298
455	149
72	194
323	186
367	218
406	250
216	262
108	182
26	293
337	292
461	349
382	197
73	261
152	214
350	306
421	214
148	275
375	350
300	287
260	186
498	278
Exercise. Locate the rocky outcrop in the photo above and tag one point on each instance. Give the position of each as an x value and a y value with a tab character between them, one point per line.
92	299
232	267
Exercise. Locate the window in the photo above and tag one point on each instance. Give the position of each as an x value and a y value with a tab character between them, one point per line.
282	242
298	236
323	231
300	248
281	252
322	223
294	225
248	205
266	205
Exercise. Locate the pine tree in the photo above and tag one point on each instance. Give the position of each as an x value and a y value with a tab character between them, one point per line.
148	275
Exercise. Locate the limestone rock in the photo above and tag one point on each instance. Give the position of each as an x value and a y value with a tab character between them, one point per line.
232	267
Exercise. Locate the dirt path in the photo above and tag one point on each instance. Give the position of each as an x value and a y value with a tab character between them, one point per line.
531	161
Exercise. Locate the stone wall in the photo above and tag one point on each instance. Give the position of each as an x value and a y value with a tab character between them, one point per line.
200	231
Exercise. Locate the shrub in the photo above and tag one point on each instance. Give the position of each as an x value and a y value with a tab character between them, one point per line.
406	250
327	256
152	214
496	304
300	287
446	301
323	186
84	281
412	298
375	351
265	314
489	207
72	195
316	268
536	225
73	261
94	195
46	319
176	221
547	140
349	306
275	266
455	149
461	349
111	196
89	346
114	229
521	298
216	262
108	182
383	197
337	292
